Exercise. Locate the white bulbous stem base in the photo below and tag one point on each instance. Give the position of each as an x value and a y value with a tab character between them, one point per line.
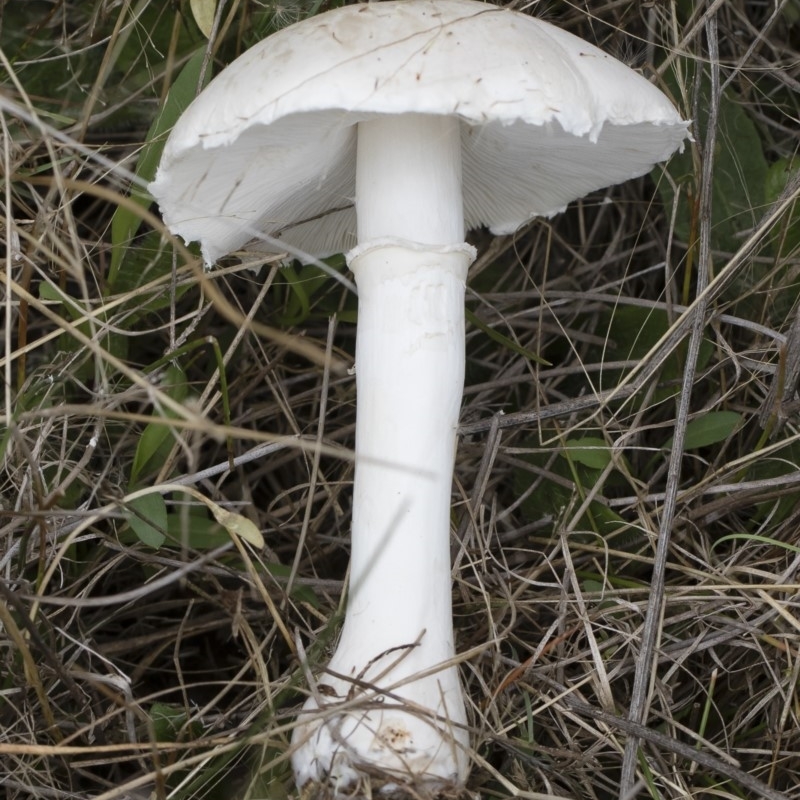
390	702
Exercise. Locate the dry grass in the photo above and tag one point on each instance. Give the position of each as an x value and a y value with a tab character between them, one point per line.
626	548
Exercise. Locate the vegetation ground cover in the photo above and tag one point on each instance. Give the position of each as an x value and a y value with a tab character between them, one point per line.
627	499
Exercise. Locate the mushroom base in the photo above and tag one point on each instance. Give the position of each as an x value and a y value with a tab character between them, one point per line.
381	743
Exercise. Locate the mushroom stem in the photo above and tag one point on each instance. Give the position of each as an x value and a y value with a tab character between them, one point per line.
408	180
405	714
410	268
409	378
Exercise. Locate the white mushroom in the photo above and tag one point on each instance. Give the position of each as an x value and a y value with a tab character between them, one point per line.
384	130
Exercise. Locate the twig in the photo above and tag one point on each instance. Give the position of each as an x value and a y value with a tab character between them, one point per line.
640	695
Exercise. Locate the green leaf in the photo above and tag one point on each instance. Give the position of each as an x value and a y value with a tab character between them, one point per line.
157	438
711	428
125	223
786	235
147	260
191	527
304	594
112	341
307	292
740	170
591	451
561	483
768	469
791	12
757	539
53	294
236	524
633	331
151	443
608	523
203	12
169	723
504	341
147	516
298	304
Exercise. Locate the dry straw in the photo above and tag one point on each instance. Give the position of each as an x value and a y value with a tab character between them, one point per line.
624	519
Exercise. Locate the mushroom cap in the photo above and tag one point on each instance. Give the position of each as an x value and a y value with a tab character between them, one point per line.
269	147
